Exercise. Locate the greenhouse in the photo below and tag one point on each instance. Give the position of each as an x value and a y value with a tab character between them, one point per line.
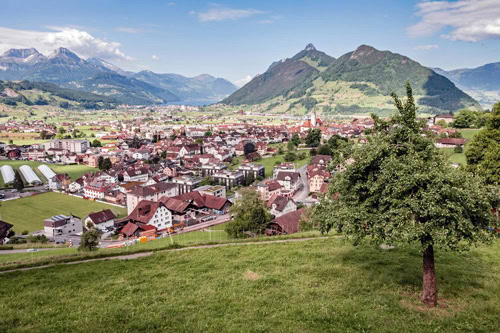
7	174
29	175
46	172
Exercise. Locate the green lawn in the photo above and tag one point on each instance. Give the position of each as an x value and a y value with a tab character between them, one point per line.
74	171
314	286
459	158
28	213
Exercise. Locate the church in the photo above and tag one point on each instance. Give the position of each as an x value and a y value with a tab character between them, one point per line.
313	122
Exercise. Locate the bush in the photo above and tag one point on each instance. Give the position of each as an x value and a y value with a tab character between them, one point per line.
458	149
25	232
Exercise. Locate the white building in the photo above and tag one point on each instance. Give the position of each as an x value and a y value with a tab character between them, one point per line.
61	225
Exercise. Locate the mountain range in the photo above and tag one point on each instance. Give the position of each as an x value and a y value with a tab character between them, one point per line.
482	83
357	82
66	69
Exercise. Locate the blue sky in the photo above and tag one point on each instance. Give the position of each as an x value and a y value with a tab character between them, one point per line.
239	39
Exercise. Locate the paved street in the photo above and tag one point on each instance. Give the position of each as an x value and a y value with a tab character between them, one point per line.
303	193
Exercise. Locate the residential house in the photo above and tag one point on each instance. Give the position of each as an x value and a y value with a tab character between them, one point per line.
152	213
279	205
101	220
228	178
286	224
258	170
268	189
150	193
290	182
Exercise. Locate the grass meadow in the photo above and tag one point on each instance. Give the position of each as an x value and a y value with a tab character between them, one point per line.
28	213
322	285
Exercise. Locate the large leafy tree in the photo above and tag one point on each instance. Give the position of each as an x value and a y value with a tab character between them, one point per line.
483	153
313	138
399	189
250	215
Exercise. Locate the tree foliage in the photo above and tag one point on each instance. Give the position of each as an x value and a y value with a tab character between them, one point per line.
90	240
18	181
399	189
313	138
250	215
483	153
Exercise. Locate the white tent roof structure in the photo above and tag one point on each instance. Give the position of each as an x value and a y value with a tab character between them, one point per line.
46	171
8	174
29	175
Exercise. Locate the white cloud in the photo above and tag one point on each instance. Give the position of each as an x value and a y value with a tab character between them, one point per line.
171	4
221	13
426	47
78	41
155	57
469	20
243	81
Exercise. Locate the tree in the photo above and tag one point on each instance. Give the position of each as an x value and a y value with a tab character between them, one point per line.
100	161
483	154
458	149
249	179
467	119
250	215
18	182
43	134
290	157
399	189
208	133
96	143
313	138
290	146
106	164
324	150
207	181
296	139
90	240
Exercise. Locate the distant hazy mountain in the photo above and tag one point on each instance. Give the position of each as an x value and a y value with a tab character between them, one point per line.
98	76
127	90
359	81
482	83
202	88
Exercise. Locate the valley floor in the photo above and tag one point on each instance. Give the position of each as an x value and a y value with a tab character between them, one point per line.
313	286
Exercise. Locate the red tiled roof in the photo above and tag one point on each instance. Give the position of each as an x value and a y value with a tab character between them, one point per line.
175	205
144	211
289	222
129	229
214	202
102	216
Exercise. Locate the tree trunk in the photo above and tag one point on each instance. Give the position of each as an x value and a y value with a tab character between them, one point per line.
429	296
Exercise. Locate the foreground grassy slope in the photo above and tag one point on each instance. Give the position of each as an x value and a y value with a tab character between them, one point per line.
28	213
313	286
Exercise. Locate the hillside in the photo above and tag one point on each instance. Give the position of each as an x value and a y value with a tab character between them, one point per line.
26	93
482	83
322	285
357	82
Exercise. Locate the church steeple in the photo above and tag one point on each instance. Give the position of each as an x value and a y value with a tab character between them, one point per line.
313	118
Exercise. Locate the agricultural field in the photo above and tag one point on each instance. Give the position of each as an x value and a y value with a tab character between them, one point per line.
336	288
28	213
74	171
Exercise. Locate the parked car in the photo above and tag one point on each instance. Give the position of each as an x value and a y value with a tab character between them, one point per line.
32	250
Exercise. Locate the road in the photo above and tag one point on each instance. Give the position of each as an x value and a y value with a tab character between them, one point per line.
303	193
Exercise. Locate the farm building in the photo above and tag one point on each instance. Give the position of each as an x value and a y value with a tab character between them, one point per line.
7	174
46	171
29	175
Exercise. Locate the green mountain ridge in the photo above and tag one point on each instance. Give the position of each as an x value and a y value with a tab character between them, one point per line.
358	81
26	93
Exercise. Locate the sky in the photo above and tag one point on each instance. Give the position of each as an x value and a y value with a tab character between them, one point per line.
237	40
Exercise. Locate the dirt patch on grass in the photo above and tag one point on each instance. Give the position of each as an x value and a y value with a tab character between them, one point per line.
445	308
252	276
